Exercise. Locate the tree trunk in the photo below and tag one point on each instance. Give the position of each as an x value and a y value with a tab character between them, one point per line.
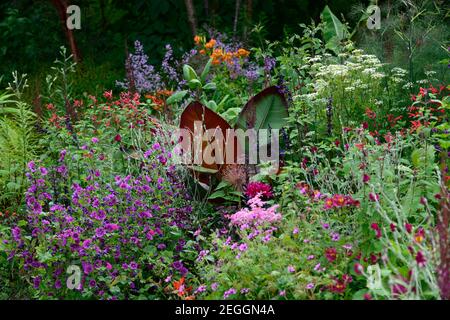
191	16
61	7
236	16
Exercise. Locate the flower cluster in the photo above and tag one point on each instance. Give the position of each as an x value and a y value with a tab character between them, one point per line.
340	201
119	230
257	218
254	188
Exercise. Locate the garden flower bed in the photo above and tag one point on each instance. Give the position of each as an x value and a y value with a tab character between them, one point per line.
102	197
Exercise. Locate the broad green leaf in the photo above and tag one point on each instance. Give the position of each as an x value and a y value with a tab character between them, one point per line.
334	31
268	109
176	97
189	73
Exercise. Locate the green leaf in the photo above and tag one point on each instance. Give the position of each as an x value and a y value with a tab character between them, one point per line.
176	97
334	31
422	157
189	73
268	109
217	194
194	84
206	70
210	86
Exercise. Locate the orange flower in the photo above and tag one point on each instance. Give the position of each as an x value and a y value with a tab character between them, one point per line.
181	289
243	53
178	284
202	51
217	56
197	39
210	44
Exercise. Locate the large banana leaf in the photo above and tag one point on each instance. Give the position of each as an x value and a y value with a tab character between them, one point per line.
268	109
196	111
334	31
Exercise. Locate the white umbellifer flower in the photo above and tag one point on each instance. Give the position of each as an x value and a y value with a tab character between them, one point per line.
349	89
364	86
396	80
378	75
423	81
430	73
369	71
314	59
408	85
358	51
399	71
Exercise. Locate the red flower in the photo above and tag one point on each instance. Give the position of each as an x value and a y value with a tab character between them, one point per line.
373	258
347	278
358	268
366	178
420	259
398	288
408	227
393	227
253	188
420	235
375	227
338	286
331	254
374	197
367	296
118	138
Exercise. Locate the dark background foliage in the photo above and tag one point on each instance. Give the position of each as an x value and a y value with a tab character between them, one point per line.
31	32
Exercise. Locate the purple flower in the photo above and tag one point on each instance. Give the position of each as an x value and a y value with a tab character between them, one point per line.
133	265
94	140
58	284
62	155
214	286
36	282
99	232
310	285
16	233
44	171
200	289
144	76
229	292
335	236
243	247
269	64
291	269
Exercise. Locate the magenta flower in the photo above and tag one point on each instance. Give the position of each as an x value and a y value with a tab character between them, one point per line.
254	188
420	259
374	197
